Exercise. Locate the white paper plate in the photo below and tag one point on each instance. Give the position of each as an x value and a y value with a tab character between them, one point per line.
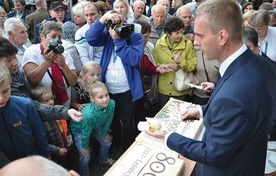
143	126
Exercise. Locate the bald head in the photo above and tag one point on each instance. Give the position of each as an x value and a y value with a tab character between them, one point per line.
158	14
33	166
164	3
185	13
138	8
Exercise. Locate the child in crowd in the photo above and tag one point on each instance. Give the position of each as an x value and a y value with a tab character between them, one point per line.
90	72
97	117
21	131
59	138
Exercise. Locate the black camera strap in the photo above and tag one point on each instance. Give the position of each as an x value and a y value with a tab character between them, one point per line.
205	70
54	81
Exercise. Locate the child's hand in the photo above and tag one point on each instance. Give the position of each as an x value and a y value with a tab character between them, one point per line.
81	107
62	152
75	115
108	137
69	140
84	152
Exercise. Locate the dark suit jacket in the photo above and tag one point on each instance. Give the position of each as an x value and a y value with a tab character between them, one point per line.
13	14
272	128
236	120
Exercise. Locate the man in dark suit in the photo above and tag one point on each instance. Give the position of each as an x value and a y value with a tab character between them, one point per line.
19	10
250	39
237	115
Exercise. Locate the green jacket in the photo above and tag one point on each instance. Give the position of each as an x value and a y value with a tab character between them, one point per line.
163	55
93	118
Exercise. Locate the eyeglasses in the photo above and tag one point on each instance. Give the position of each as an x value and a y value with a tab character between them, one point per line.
60	11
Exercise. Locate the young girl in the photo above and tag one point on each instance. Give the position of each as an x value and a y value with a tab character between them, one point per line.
90	72
97	117
57	131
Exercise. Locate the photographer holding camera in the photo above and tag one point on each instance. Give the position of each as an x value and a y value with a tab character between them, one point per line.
120	69
45	63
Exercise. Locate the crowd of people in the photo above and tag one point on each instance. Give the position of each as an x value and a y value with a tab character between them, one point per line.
74	76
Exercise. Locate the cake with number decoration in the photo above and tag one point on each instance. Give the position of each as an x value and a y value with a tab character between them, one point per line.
149	155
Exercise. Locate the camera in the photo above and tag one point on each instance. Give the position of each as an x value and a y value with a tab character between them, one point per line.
56	46
124	30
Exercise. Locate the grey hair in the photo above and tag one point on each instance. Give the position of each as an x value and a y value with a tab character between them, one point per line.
158	5
138	1
49	167
260	17
158	2
48	26
182	8
9	24
78	8
1	8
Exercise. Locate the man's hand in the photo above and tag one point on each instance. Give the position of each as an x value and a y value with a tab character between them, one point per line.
113	34
114	17
208	86
190	113
75	115
158	134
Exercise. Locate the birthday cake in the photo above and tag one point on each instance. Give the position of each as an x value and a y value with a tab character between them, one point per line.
149	155
169	118
142	159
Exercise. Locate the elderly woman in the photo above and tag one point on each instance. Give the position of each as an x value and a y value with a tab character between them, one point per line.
45	65
176	52
77	10
259	20
68	34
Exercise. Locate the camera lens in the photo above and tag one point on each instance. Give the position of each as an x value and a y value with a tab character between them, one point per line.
123	31
59	49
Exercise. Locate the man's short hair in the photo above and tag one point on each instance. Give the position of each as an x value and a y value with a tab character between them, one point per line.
48	26
9	24
22	2
39	3
249	35
217	11
266	6
156	6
